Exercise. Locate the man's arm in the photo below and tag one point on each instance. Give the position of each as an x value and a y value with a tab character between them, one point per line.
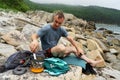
34	44
79	51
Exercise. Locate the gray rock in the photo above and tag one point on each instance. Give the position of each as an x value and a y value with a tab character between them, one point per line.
6	50
2	59
28	30
14	38
23	47
115	42
5	30
111	74
113	51
73	74
110	57
69	17
116	65
118	56
100	78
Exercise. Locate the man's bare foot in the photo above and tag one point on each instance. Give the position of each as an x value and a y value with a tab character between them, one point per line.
94	63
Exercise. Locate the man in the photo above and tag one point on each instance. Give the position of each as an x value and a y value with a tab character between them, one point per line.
50	35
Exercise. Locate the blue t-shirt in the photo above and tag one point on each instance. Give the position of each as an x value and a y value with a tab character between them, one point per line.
49	36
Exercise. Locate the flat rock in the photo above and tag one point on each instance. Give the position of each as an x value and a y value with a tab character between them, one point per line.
73	74
6	50
95	55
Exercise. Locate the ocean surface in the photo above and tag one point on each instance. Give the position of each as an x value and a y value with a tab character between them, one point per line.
114	28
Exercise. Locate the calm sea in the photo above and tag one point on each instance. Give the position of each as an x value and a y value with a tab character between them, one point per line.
114	28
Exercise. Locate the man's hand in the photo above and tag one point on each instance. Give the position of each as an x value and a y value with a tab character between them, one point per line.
34	45
79	52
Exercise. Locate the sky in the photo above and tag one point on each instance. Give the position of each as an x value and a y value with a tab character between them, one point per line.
103	3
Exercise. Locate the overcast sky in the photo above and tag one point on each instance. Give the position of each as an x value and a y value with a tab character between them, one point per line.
104	3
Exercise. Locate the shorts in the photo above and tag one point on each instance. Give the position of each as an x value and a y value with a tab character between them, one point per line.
48	53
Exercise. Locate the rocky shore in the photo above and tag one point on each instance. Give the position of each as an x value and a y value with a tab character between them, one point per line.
16	29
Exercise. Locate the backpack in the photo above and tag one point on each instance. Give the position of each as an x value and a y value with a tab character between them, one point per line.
17	58
55	66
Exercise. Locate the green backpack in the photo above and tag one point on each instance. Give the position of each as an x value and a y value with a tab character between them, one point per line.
55	66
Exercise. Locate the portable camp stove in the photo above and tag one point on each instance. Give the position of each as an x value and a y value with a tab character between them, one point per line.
36	64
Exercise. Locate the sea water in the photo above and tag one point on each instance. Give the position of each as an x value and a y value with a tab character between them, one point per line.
114	28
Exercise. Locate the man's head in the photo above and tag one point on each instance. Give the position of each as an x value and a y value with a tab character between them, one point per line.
58	19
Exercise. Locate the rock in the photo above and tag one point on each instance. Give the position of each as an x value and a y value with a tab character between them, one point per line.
102	29
118	56
20	24
71	34
106	32
111	74
95	55
6	50
64	42
78	22
73	74
99	78
83	42
14	38
99	35
91	25
102	45
69	17
80	37
113	51
6	29
115	42
70	29
28	30
49	18
92	45
40	17
2	59
116	65
88	77
79	45
23	47
117	36
110	57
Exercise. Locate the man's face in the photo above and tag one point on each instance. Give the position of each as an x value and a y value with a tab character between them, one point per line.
57	22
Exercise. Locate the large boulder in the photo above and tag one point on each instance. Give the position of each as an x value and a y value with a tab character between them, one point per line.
92	45
115	42
71	34
14	38
95	55
116	65
69	17
73	74
28	30
6	25
91	25
101	44
64	41
110	57
6	50
110	74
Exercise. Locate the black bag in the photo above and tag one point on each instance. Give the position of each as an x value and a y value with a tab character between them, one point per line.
16	59
89	70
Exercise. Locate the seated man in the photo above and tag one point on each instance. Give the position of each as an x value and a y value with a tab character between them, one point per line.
50	35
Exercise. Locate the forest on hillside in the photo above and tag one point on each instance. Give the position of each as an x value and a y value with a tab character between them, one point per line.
89	13
16	5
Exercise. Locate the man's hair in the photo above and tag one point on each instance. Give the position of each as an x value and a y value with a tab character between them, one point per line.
59	13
